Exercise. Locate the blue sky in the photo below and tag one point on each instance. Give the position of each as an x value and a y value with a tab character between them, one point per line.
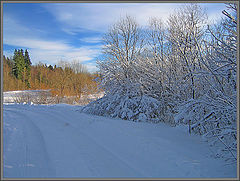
73	31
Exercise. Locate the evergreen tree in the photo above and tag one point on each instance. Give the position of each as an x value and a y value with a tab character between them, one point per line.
19	64
14	69
22	66
27	68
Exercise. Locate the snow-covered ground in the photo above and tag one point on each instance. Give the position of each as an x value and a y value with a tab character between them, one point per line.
61	142
24	95
45	97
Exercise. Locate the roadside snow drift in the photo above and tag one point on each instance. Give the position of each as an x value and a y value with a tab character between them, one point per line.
41	141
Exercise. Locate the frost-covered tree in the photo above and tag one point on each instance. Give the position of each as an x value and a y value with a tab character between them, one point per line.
130	79
185	34
214	113
122	45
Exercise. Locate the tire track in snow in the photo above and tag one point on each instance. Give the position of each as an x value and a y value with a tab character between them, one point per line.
81	145
34	160
116	165
65	164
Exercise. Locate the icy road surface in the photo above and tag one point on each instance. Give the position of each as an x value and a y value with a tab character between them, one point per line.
59	141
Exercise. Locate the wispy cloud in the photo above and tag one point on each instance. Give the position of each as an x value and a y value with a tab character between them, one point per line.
36	44
49	51
83	54
98	16
13	28
91	67
43	50
91	39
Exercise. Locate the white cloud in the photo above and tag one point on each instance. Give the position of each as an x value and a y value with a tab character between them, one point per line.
91	68
36	43
51	56
91	39
98	16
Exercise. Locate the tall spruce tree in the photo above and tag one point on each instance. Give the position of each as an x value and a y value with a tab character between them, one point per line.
27	68
14	69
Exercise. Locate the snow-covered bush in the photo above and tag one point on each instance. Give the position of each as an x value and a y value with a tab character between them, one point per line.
131	78
135	108
215	119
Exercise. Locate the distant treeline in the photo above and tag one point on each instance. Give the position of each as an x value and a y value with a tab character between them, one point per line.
64	79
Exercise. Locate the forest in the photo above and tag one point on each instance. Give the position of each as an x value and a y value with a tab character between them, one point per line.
182	71
64	80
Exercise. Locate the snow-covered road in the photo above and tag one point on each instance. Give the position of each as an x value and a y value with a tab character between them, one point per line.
59	141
